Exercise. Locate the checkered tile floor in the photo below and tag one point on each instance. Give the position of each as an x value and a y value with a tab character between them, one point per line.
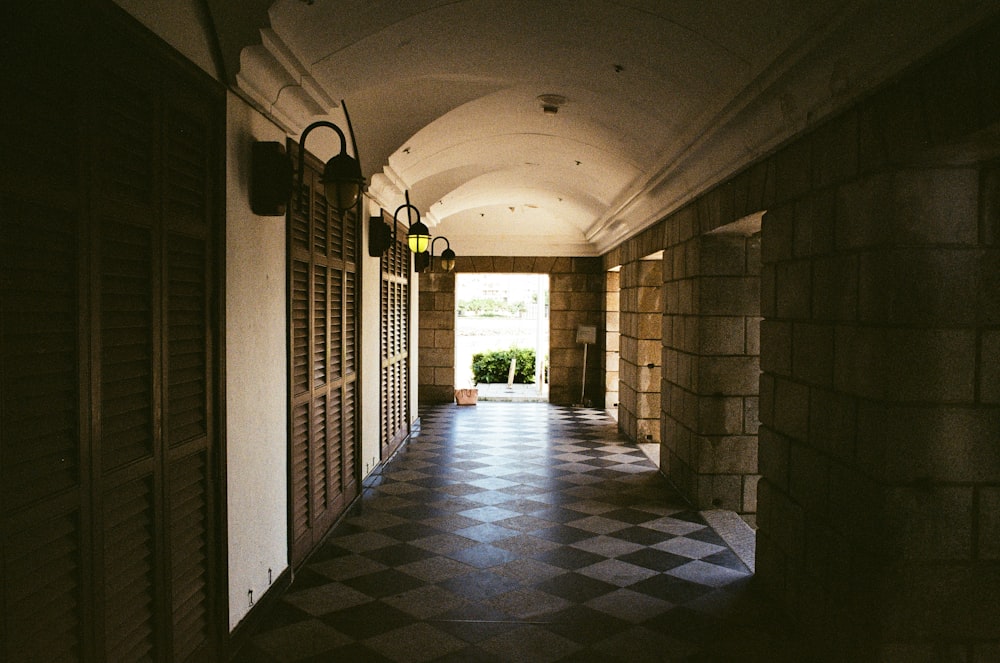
517	532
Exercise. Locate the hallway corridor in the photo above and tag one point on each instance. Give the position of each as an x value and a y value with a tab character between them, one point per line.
518	532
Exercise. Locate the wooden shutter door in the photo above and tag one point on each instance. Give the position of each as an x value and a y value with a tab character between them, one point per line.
156	173
44	440
107	439
189	381
322	314
395	343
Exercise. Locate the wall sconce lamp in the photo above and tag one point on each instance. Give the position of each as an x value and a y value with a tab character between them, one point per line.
447	258
342	179
418	237
272	179
425	260
381	237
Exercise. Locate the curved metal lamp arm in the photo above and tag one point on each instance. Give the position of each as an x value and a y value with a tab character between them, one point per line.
447	244
302	149
407	206
447	257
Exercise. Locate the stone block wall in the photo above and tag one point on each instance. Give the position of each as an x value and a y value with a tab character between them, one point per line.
880	420
879	398
436	372
880	417
641	284
711	370
576	297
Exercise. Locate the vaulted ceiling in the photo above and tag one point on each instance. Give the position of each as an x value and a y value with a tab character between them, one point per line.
522	127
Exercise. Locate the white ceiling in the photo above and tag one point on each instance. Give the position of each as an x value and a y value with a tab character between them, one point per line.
663	99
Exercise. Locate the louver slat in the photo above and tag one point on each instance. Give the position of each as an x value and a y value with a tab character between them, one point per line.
337	236
336	324
320	326
349	435
300	327
350	236
299	222
186	339
43	591
321	236
128	571
334	446
189	554
350	322
38	329
125	157
126	344
318	443
185	168
300	469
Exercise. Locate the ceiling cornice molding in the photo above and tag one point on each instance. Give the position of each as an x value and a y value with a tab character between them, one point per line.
279	85
384	192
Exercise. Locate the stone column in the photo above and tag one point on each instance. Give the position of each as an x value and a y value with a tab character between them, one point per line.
639	378
711	370
436	372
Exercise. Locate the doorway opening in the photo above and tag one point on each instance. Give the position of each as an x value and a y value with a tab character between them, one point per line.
502	335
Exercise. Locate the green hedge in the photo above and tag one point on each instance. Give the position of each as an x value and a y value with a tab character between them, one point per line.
493	366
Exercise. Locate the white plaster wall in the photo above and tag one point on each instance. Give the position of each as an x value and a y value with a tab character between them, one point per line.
255	373
371	320
179	23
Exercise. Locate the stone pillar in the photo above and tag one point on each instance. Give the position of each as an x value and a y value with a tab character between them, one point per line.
880	414
612	321
640	345
436	374
576	296
711	370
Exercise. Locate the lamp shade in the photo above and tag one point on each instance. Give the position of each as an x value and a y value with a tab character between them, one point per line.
418	238
447	260
342	181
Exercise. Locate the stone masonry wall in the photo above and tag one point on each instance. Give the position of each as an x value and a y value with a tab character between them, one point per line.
880	398
639	378
711	370
576	297
880	418
879	502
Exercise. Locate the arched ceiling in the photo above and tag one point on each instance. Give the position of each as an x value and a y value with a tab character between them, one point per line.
662	99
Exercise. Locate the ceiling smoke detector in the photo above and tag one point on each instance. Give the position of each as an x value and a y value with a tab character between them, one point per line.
551	103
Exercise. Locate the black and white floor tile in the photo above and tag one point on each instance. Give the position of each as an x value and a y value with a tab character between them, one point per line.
519	532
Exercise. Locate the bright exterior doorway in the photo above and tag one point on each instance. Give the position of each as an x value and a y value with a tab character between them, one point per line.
502	316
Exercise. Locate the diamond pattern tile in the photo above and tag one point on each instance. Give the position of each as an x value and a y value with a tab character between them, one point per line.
512	532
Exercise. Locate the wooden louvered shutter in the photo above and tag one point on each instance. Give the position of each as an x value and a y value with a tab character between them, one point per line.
127	257
44	532
44	440
156	172
395	342
107	438
188	180
322	314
